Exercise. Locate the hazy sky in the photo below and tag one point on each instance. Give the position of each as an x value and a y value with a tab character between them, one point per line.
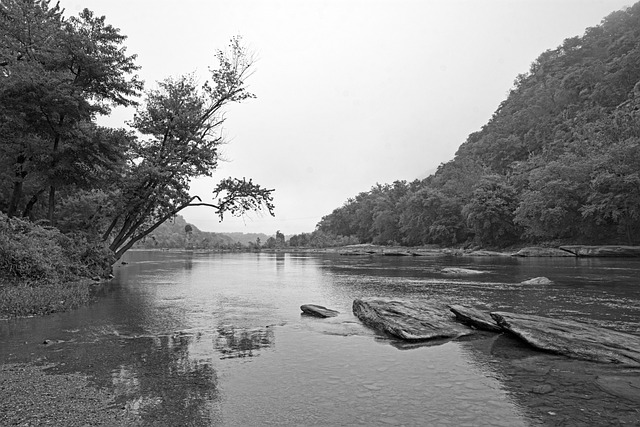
350	92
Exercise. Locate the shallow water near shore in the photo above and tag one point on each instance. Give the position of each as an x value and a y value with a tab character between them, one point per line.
218	339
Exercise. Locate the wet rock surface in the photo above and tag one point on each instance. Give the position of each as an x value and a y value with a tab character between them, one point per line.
558	391
535	251
603	251
475	318
457	271
486	253
318	311
408	320
537	281
573	339
622	384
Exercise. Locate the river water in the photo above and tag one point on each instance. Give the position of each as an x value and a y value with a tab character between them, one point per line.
219	339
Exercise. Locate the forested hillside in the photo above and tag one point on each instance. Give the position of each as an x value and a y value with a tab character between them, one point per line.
177	233
559	160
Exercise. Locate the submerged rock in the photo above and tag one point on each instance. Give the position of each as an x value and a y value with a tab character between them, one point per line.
357	253
408	320
318	310
475	318
535	251
626	386
482	252
603	251
537	281
457	271
573	339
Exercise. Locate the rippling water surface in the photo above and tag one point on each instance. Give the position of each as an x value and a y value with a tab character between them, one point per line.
218	339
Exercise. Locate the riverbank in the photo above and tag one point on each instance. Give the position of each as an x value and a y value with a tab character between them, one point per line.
43	271
31	395
582	251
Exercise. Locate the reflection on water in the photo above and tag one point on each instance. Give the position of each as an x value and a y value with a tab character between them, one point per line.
231	342
162	385
177	334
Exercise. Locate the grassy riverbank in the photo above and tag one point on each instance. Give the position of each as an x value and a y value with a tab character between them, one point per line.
44	271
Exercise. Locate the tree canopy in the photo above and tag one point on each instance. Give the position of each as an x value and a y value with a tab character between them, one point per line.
57	75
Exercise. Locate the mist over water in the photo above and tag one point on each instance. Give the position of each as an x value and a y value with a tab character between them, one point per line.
219	339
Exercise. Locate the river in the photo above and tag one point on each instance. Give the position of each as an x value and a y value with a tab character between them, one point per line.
218	339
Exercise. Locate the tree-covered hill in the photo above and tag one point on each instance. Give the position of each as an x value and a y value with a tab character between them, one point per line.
177	233
559	160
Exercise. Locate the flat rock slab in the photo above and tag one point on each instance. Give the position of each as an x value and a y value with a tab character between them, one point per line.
475	318
457	271
486	253
318	310
627	386
535	251
573	339
408	320
537	281
603	251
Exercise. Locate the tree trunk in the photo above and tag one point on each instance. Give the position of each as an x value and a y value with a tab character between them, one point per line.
15	198
121	248
34	199
52	203
52	188
16	195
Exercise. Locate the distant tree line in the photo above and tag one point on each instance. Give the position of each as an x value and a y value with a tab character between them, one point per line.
559	160
58	167
176	233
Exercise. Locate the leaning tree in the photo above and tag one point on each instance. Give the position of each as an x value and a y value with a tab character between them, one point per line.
180	123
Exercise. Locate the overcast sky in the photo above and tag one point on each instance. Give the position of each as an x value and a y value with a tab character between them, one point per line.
350	93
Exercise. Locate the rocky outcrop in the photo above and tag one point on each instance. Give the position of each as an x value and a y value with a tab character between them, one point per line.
396	253
537	281
457	271
603	251
318	311
573	339
483	253
535	251
357	253
475	318
408	320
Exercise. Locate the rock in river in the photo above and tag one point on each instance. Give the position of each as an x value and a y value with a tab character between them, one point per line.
573	339
408	320
475	318
603	251
537	281
543	252
318	310
457	271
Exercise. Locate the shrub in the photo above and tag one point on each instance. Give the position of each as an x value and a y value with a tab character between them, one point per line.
43	270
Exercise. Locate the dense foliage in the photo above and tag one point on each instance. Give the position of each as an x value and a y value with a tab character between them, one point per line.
59	168
558	161
43	270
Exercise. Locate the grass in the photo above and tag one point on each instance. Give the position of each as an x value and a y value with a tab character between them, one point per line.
20	300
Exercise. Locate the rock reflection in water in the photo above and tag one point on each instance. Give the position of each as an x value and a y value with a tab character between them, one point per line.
234	342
